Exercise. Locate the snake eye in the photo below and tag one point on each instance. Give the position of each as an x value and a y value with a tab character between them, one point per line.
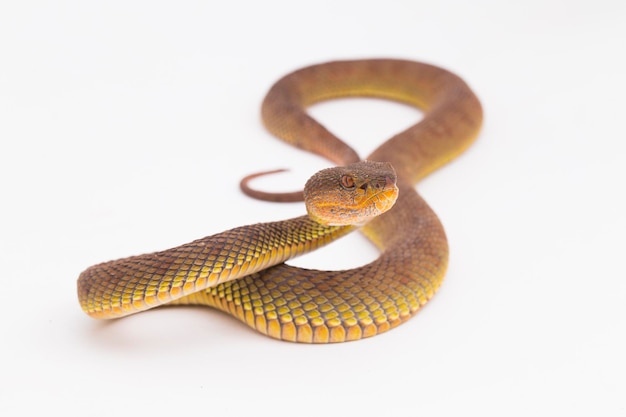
347	182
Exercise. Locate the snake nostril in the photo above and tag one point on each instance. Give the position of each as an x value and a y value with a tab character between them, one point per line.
389	183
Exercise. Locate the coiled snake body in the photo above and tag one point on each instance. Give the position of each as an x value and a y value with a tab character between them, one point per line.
241	271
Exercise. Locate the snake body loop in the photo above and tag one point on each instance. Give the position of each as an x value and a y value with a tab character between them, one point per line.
241	271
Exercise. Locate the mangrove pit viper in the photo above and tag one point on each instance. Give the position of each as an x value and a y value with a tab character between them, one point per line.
241	271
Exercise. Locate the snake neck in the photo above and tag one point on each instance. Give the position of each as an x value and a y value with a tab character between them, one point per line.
410	216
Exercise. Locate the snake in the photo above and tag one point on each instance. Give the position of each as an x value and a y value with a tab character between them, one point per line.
242	271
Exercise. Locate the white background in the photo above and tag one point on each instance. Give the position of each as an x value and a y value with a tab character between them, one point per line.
125	127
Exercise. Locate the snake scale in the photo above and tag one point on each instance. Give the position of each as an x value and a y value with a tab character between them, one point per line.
242	271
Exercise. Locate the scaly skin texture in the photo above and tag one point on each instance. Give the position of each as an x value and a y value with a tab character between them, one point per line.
233	271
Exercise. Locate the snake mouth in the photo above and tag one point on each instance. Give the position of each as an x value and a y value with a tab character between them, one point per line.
385	199
378	195
387	191
379	199
373	199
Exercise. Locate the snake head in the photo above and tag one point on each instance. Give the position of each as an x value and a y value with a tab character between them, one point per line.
351	194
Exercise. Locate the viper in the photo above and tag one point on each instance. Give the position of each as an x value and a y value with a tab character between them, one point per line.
243	272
